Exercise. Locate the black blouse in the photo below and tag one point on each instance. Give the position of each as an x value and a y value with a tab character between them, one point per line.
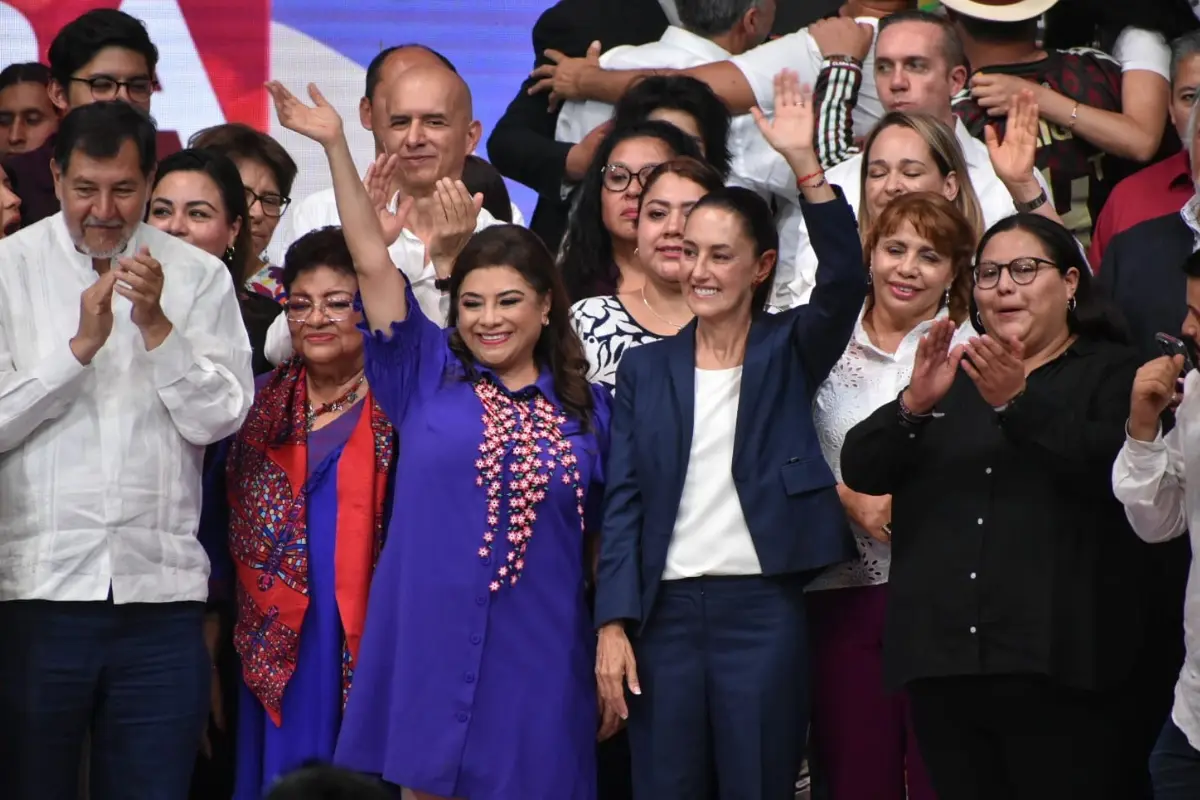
1010	554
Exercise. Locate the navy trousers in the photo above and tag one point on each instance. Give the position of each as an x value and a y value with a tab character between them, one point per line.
723	668
137	676
1175	766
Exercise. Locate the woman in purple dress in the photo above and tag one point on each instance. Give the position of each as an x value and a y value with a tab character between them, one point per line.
308	477
476	679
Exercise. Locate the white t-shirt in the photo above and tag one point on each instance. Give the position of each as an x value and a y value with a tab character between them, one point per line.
711	536
1139	49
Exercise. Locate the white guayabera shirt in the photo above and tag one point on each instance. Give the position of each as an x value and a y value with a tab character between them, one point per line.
101	466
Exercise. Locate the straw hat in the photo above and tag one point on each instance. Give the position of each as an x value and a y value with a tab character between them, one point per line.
1001	10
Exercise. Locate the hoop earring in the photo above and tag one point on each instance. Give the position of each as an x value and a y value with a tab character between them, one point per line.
946	298
870	276
1071	303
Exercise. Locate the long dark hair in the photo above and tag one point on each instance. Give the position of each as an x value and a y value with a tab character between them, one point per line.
241	261
686	94
587	253
757	222
1093	316
558	348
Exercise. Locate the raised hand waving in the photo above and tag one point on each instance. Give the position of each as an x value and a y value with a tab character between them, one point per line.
790	130
320	122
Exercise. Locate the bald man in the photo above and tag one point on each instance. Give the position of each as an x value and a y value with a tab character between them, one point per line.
428	121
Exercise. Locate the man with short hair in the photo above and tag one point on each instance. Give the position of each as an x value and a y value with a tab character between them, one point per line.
919	67
101	55
428	122
1001	42
122	357
1161	188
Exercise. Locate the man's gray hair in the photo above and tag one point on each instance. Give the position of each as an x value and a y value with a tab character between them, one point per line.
1193	127
713	17
1183	48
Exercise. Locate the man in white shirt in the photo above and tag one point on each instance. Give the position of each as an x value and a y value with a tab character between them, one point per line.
122	356
429	123
710	31
919	67
1150	477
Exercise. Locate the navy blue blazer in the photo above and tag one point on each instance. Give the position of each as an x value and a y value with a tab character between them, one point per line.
787	490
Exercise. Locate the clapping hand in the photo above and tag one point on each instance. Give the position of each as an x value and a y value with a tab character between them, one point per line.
1013	160
456	213
140	281
790	131
1155	389
996	367
95	318
320	122
934	368
379	181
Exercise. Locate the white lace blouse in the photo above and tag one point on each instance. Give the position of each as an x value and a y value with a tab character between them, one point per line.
863	380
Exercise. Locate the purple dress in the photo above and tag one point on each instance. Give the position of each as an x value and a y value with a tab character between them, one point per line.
462	691
312	702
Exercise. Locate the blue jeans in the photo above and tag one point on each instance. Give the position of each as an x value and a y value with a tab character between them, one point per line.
1175	766
136	676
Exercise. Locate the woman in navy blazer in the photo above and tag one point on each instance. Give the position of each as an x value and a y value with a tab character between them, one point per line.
720	505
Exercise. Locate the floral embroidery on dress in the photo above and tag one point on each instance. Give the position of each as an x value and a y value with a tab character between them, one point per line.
532	426
268	282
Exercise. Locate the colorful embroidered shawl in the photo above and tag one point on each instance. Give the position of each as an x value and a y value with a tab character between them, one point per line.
267	472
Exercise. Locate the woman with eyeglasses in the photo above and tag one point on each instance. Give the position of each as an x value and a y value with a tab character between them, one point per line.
308	482
599	253
268	173
1015	611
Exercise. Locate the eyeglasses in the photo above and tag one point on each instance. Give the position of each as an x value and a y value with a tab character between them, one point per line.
1023	271
272	204
106	87
334	309
617	177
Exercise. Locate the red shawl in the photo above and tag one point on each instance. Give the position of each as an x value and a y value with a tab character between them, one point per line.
268	467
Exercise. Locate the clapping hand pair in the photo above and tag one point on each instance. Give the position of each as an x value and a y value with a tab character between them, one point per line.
139	279
994	364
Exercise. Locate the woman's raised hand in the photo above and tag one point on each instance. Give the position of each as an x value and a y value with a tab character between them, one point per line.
934	368
1014	158
320	122
379	181
790	130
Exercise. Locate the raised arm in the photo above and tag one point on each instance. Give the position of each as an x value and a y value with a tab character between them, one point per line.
584	79
383	288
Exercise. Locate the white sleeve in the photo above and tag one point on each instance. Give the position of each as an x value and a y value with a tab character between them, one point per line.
795	51
1148	479
30	397
278	345
1139	49
202	370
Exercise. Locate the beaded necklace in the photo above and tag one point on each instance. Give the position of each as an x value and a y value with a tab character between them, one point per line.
533	426
347	398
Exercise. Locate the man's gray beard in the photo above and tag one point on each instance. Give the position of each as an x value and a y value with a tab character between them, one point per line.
102	255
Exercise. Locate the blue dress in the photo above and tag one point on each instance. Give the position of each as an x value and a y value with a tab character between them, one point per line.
462	691
312	701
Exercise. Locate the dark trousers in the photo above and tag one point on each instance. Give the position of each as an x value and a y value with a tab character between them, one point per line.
723	667
1175	766
1020	738
136	676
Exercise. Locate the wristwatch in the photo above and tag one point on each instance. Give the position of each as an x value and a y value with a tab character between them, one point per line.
1032	205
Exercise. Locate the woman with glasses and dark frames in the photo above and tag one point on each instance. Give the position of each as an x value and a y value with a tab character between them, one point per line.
308	484
599	253
1016	593
268	173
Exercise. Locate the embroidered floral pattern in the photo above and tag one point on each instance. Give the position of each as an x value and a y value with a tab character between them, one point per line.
531	426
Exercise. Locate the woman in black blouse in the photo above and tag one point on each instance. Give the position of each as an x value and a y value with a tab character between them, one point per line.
1014	614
